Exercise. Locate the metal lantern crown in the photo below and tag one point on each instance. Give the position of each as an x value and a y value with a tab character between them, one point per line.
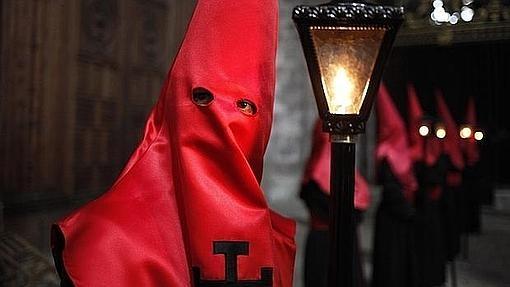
346	46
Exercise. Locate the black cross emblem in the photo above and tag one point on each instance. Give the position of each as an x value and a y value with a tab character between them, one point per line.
231	249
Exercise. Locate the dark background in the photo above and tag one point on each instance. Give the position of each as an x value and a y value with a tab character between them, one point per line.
460	71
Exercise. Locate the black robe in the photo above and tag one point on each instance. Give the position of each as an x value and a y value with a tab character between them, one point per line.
394	258
317	242
430	240
473	188
453	204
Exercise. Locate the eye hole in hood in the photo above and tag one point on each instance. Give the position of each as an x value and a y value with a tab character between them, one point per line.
202	97
247	107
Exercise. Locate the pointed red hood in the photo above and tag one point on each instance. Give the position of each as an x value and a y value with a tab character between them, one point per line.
470	146
415	116
452	141
318	169
392	142
191	189
427	149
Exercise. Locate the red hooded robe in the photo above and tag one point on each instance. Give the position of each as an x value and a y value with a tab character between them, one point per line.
470	147
452	143
393	257
428	150
190	197
318	169
393	143
474	183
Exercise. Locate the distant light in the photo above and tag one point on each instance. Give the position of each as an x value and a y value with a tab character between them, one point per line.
445	17
453	19
440	15
433	16
424	131
441	133
479	135
437	3
465	132
467	14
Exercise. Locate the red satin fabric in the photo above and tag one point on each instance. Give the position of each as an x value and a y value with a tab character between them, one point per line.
195	178
451	143
393	144
318	169
422	149
469	146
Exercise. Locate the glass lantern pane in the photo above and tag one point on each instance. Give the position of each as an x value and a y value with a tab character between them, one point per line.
346	57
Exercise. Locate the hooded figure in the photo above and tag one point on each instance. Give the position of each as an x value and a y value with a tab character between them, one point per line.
469	146
451	143
188	209
453	199
315	191
394	262
430	169
473	175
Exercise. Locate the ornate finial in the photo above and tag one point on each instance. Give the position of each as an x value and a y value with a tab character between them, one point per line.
339	10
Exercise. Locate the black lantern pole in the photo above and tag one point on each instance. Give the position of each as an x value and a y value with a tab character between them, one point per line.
346	46
341	222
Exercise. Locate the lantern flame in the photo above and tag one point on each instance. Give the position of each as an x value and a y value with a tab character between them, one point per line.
342	97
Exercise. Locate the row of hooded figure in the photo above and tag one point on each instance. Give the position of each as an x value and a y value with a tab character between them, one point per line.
429	197
429	193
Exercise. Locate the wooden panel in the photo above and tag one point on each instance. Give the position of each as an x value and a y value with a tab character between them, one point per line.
35	55
79	78
15	135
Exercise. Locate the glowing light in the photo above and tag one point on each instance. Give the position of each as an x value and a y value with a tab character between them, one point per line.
424	131
437	3
479	135
441	133
467	2
465	132
341	100
440	15
467	14
443	16
346	61
454	19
